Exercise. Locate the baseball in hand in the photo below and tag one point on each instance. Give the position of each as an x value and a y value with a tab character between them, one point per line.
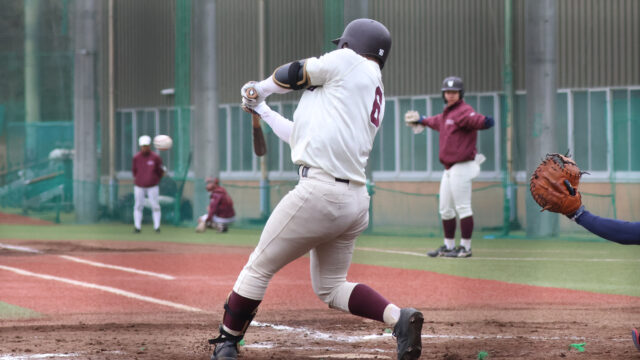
162	142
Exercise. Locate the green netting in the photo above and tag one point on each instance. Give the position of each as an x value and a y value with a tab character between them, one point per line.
37	136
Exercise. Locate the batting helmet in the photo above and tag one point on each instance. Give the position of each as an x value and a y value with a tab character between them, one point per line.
453	83
367	37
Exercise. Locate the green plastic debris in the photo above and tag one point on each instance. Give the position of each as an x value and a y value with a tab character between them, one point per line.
483	355
387	331
579	347
241	342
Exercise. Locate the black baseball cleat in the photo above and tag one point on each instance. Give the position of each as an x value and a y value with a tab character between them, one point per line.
136	230
158	230
408	332
227	350
636	338
441	251
226	346
459	252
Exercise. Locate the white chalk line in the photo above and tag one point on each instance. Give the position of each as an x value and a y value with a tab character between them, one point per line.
116	267
319	335
92	263
108	289
411	253
359	338
48	356
19	248
37	356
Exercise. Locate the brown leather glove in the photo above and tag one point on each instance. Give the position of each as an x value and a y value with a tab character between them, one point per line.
554	184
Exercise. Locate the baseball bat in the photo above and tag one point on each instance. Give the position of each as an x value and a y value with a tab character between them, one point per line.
259	143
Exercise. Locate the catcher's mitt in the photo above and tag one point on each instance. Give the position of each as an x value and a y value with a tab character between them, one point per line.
554	184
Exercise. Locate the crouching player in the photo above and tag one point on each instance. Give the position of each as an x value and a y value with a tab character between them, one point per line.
221	213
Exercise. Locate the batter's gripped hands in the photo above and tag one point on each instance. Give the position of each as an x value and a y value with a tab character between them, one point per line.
252	100
412	118
248	106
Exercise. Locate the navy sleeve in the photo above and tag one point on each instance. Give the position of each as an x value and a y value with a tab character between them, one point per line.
622	232
488	122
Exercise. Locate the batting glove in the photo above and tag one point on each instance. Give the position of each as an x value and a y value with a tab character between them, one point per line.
249	106
252	101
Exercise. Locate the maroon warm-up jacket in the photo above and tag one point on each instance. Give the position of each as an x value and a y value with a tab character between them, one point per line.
147	169
458	125
221	204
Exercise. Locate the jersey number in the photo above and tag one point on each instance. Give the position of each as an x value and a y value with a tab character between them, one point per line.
375	111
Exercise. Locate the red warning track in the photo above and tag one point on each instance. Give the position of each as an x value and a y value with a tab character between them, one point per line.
204	275
21	220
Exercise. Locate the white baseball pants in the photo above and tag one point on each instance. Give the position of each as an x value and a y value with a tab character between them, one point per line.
153	194
320	215
455	189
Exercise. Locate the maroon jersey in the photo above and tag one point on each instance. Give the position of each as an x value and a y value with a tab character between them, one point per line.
458	126
147	169
221	204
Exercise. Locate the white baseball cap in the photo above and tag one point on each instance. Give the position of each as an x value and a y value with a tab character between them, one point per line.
144	140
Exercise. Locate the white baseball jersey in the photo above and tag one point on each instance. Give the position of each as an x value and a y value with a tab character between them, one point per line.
336	122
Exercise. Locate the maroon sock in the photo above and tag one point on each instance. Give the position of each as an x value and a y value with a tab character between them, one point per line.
240	309
466	227
449	227
366	302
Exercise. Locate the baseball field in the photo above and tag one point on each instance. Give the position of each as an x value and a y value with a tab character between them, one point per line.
102	292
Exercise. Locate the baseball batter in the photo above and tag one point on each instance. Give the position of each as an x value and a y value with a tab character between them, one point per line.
331	137
458	126
147	172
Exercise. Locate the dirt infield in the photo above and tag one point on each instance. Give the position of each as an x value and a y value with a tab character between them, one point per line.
94	306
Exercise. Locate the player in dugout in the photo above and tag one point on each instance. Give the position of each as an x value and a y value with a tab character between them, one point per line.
221	213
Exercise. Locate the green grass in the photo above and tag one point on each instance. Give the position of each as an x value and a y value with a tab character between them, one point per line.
602	267
574	262
8	311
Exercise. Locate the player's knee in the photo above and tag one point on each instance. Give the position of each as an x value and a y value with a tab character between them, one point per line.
323	293
447	214
464	211
336	297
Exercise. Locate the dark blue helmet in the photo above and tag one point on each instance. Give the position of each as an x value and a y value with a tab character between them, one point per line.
452	83
367	37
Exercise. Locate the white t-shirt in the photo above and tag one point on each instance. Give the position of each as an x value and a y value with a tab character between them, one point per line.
336	122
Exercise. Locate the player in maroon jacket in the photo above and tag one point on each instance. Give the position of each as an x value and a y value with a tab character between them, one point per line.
147	171
458	126
221	213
